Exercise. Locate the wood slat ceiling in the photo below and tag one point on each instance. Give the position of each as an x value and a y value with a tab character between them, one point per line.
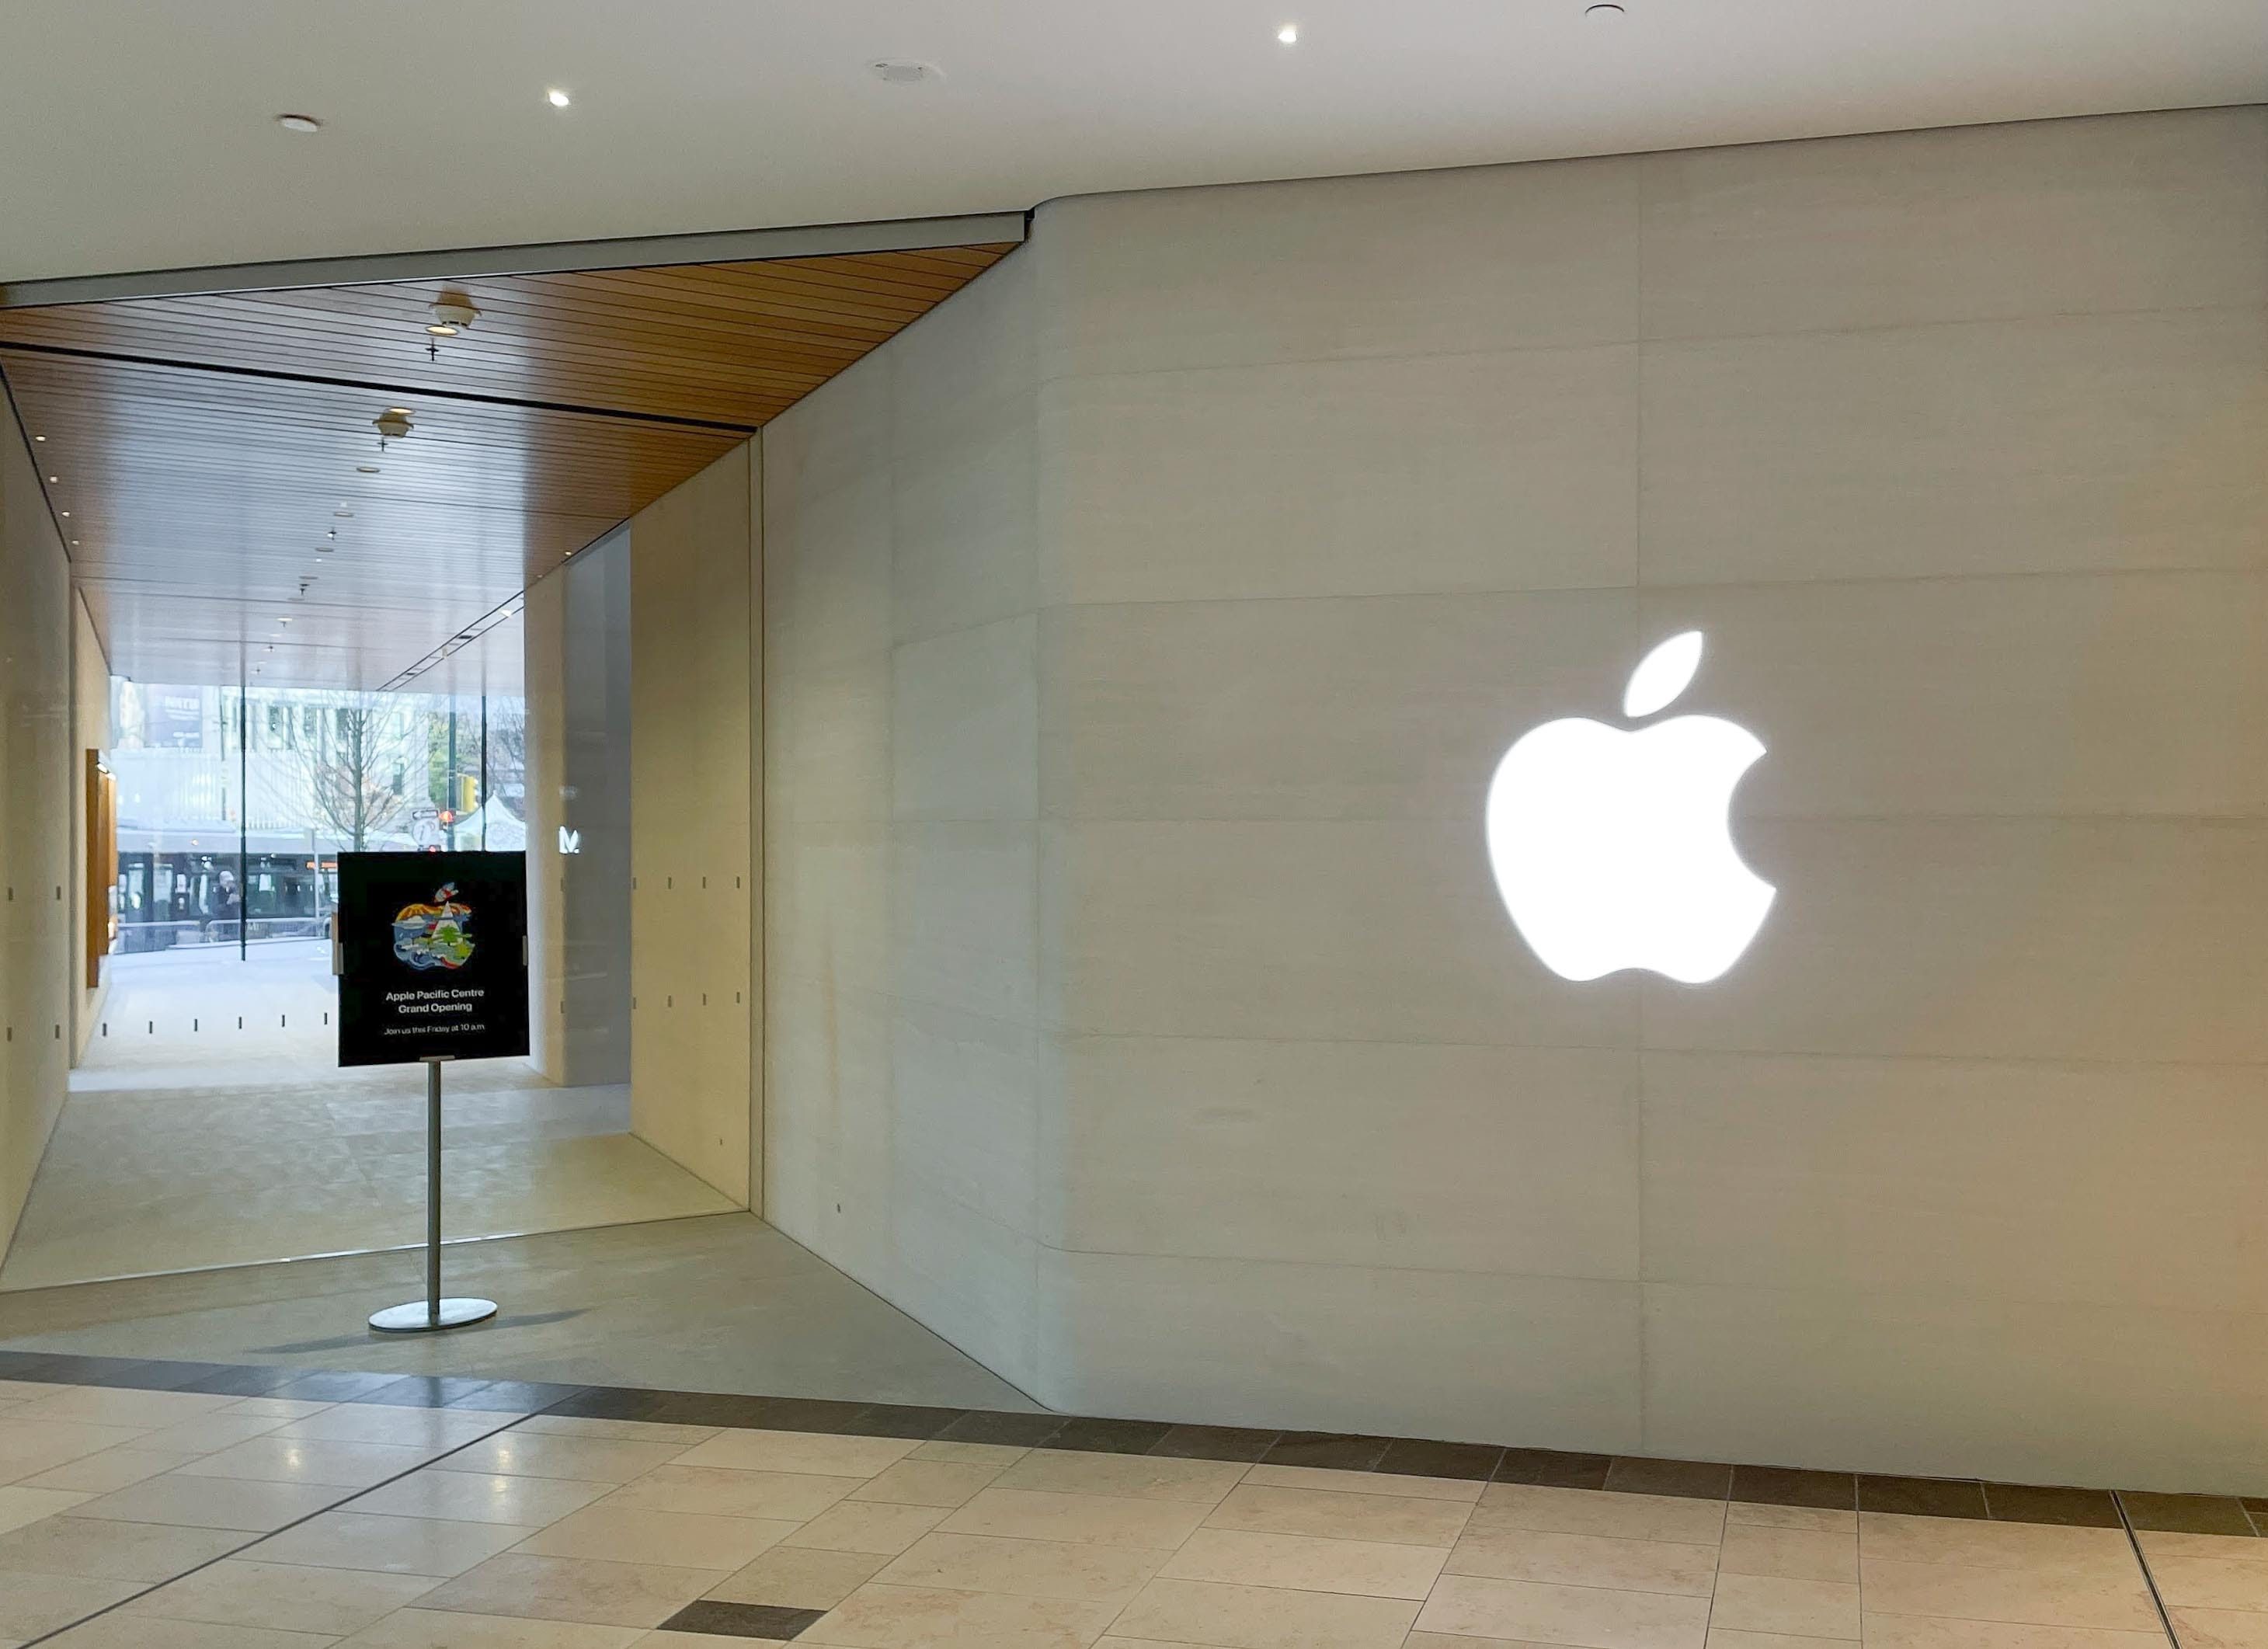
202	446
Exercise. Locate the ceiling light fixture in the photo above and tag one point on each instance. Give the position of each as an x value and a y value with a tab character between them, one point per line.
453	312
556	98
903	71
54	480
298	122
393	425
1603	8
1289	34
39	437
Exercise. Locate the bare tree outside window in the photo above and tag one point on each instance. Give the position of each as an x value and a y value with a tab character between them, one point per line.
356	765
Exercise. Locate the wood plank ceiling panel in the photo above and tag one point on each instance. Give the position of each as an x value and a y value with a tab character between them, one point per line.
213	462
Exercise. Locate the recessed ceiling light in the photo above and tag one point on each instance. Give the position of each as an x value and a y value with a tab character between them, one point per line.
1289	34
282	621
66	515
366	469
903	71
343	514
557	99
39	437
1603	8
54	480
298	122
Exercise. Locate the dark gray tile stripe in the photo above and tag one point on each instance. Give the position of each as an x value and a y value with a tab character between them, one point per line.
743	1620
1771	1486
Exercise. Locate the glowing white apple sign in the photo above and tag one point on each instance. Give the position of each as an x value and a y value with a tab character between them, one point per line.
1614	849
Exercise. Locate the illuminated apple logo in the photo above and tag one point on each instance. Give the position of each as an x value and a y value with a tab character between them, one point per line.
1614	849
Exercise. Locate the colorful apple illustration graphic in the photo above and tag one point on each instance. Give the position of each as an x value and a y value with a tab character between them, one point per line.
1614	849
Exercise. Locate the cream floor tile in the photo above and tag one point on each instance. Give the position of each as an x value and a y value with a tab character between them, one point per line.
432	1629
597	1592
869	1526
1820	1519
1723	1639
1505	1506
480	1496
666	1639
722	1493
1023	1568
1920	1631
2238	1548
2220	1628
1599	1560
1789	1554
112	1469
673	1539
306	1460
277	1408
1584	1617
396	1545
878	1617
1264	1617
1459	1640
1306	1564
799	1576
1093	1519
31	1604
1366	1482
2040	1595
206	1432
634	1431
119	1631
803	1452
520	1453
105	1405
93	1548
1137	1477
1984	1545
1796	1608
378	1423
19	1505
15	1391
214	1502
28	1448
1337	1514
2205	1582
238	1592
916	1481
999	1455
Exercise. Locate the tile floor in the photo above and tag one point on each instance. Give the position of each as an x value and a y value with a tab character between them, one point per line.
189	1143
179	1519
723	1303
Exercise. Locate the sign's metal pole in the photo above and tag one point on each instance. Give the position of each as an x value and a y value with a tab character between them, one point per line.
422	1315
433	1193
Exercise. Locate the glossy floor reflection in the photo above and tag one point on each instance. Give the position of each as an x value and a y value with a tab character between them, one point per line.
718	1304
188	1143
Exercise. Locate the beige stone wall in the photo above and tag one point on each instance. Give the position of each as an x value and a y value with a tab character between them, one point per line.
902	787
695	830
37	857
1951	443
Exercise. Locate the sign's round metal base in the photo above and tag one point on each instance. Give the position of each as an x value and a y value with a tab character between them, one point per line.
418	1317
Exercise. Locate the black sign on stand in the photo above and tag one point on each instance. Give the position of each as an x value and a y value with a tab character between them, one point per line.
433	957
432	961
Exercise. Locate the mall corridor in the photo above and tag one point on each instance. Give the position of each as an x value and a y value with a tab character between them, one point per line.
1205	827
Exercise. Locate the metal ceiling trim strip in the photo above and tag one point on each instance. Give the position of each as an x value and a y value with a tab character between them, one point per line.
729	246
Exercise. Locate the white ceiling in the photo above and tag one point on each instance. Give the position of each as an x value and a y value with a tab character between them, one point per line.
137	134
